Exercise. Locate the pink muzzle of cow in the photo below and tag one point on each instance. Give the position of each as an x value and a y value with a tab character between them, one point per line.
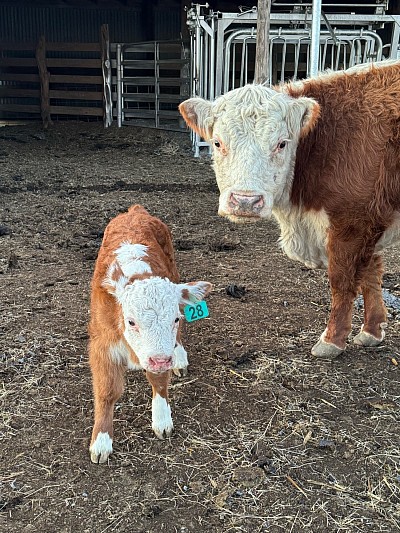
245	204
159	363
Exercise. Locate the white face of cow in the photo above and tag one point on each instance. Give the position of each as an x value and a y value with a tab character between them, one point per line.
254	132
151	314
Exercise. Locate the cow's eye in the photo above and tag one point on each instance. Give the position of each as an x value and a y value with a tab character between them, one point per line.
176	319
217	144
282	145
131	323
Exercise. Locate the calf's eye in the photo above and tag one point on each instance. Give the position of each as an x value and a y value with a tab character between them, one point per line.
217	144
131	323
282	145
176	320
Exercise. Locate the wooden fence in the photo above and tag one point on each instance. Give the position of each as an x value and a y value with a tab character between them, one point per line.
50	79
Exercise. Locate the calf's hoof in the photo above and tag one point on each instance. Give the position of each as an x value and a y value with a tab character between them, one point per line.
180	372
326	350
163	433
367	339
101	448
181	361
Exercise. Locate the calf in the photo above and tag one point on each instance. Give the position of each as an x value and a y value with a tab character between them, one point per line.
323	157
135	319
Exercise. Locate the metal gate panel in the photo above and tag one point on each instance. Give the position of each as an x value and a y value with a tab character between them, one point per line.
152	79
222	46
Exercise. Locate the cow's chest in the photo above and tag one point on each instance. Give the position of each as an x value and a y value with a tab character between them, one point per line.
303	236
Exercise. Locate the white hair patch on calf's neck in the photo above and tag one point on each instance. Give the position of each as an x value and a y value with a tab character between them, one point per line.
129	257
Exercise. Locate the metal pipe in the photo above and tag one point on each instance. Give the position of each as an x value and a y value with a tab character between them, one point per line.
212	59
315	36
119	86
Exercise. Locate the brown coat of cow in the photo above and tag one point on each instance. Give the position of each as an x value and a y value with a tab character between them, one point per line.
349	165
323	156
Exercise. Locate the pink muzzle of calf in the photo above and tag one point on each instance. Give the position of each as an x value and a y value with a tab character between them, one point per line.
245	204
159	363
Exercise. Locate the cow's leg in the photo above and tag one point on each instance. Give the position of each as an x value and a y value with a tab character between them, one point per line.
108	386
349	257
372	331
161	411
181	360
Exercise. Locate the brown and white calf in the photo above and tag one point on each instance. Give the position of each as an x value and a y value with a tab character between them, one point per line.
323	157
135	319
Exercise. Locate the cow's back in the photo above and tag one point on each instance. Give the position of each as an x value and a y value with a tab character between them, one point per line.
137	226
351	159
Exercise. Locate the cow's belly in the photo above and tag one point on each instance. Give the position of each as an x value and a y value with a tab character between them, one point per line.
303	236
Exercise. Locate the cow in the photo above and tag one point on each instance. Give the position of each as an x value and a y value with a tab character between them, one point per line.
135	319
322	156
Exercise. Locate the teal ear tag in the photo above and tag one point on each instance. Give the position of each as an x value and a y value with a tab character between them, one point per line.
196	311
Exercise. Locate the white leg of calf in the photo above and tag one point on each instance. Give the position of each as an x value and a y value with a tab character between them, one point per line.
181	361
161	417
101	448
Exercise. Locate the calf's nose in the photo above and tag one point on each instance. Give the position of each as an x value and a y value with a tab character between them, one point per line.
246	203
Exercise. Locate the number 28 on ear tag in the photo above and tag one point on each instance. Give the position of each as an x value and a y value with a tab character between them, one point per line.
196	311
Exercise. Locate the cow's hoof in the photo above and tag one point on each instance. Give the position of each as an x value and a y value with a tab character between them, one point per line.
326	350
101	448
367	339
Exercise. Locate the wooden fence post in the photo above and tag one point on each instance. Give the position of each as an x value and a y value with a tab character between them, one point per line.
261	74
44	76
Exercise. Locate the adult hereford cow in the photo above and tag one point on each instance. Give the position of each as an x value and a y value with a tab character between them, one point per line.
135	319
323	157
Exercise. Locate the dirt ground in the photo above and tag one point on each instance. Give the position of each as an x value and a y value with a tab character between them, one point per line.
267	439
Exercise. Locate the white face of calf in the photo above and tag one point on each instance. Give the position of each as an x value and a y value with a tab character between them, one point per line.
254	132
150	309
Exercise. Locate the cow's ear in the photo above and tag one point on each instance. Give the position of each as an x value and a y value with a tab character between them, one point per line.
303	115
198	115
115	281
194	291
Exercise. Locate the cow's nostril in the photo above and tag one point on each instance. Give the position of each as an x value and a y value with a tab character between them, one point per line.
259	202
233	199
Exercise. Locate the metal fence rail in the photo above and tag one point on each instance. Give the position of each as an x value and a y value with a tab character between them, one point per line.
222	46
290	53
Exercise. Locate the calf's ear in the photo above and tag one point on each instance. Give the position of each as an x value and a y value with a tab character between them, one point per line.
115	281
194	291
198	115
303	115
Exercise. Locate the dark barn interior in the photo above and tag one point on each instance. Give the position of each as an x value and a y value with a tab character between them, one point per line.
57	50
